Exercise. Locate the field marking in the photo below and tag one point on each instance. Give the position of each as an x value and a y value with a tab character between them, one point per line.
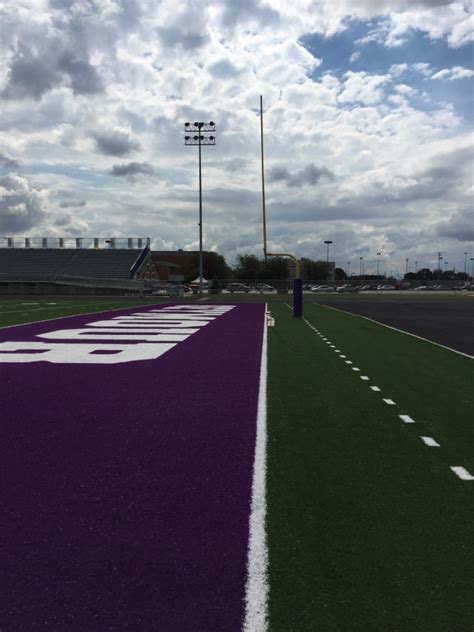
462	473
429	441
401	331
256	587
390	402
407	419
342	356
364	377
355	368
47	320
375	388
348	361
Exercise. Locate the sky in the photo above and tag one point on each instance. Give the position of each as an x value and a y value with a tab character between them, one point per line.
367	125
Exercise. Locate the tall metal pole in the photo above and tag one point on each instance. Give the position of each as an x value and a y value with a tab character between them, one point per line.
465	266
263	181
200	218
200	138
378	263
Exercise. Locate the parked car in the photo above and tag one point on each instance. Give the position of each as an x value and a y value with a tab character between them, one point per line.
264	287
323	288
238	287
347	288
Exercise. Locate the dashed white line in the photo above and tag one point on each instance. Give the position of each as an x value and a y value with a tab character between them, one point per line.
364	377
375	388
407	419
390	402
429	441
342	356
462	473
355	368
348	361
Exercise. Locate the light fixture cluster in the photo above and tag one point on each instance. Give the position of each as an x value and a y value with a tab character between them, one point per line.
199	138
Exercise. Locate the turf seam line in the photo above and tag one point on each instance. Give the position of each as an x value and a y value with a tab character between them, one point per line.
256	587
407	333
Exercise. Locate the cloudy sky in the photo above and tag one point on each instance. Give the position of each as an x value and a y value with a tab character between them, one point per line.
367	117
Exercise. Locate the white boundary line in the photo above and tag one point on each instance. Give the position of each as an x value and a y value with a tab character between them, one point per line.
256	588
407	333
116	309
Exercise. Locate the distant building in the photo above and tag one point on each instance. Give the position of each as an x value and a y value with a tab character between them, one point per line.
172	265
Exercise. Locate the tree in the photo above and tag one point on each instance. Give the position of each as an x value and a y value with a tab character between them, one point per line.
274	268
214	266
313	270
248	267
339	274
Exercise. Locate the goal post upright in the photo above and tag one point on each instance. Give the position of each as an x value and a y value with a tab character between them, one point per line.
297	281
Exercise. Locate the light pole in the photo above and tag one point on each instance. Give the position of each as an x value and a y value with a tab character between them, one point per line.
378	262
471	259
406	266
199	138
360	266
416	267
439	265
465	266
348	269
327	259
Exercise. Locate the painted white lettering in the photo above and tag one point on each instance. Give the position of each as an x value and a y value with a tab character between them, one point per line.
113	334
63	353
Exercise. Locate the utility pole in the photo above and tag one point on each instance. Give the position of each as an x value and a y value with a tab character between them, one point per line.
327	259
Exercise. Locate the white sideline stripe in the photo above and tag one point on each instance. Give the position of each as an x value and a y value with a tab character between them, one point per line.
375	388
256	587
462	473
407	419
390	402
407	333
429	441
364	377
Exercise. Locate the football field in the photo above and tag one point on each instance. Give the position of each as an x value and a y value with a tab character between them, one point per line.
182	467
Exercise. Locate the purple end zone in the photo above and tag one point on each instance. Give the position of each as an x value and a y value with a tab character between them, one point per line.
125	489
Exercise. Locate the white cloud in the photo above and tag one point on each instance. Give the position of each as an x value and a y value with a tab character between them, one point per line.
362	87
120	150
457	72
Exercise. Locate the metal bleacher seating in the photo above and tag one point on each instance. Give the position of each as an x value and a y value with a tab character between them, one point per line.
57	262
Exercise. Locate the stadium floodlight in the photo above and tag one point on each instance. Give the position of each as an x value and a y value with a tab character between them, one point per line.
378	262
465	265
201	138
360	266
327	258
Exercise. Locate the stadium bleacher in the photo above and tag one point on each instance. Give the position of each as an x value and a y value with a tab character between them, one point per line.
54	262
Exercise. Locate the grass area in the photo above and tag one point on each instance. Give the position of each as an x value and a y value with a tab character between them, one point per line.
32	309
368	528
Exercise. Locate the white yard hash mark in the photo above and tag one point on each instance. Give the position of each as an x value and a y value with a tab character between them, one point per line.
390	402
429	441
462	473
407	419
375	388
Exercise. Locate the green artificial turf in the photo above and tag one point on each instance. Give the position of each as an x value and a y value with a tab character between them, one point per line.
32	309
368	528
